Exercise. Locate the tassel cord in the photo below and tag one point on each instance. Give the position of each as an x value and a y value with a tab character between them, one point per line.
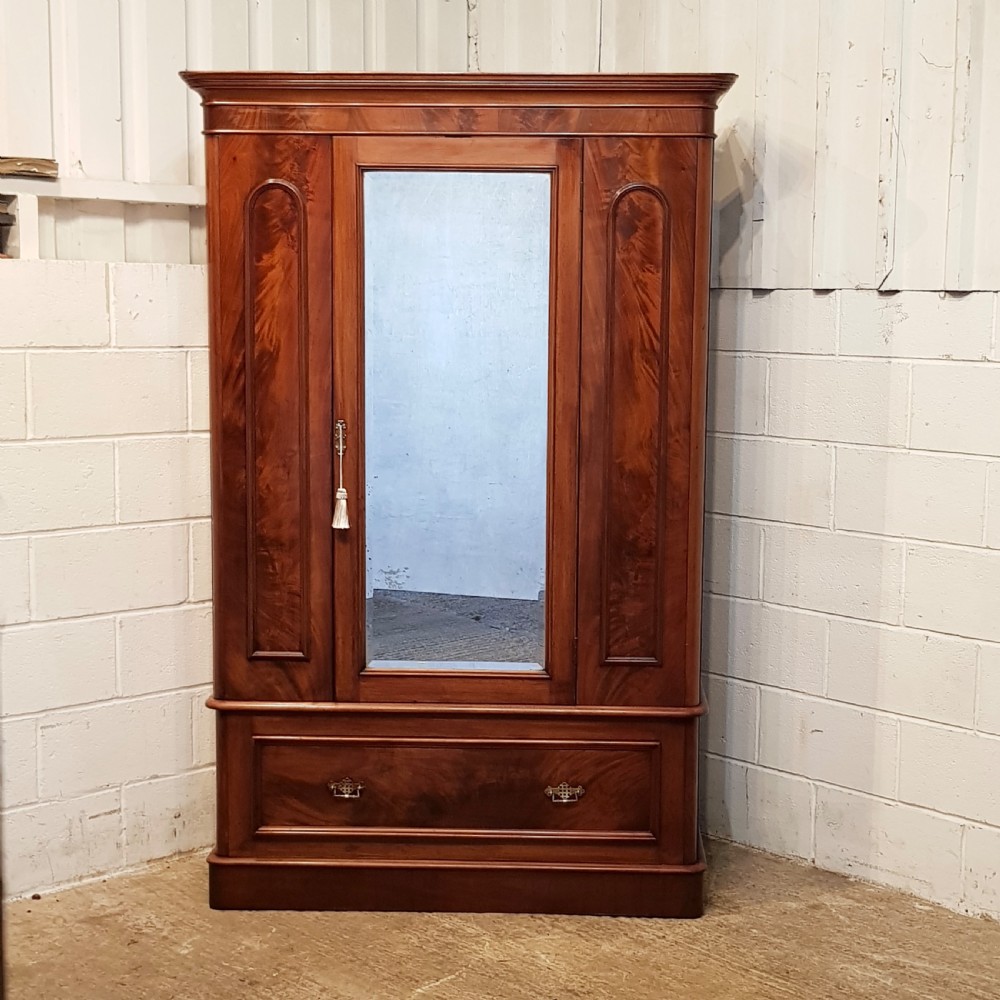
340	518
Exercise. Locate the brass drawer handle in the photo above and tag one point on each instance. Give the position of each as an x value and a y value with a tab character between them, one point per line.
346	788
563	792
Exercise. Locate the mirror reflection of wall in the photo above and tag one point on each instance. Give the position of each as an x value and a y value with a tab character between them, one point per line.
456	395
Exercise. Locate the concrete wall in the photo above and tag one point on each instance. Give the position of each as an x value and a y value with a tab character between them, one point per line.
105	613
853	557
852	622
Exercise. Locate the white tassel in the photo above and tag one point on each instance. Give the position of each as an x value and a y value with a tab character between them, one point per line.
340	520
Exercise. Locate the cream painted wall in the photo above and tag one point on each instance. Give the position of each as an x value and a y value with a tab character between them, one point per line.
852	649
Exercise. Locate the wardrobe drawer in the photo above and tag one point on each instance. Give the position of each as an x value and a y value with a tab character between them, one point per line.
569	788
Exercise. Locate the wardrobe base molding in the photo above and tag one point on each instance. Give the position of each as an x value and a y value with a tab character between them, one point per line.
661	891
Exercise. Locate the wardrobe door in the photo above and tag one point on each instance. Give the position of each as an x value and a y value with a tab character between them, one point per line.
645	256
456	378
269	243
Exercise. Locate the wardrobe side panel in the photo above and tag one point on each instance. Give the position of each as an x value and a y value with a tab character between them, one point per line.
270	263
640	248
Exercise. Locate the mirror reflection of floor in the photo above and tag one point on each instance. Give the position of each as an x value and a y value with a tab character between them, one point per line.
406	625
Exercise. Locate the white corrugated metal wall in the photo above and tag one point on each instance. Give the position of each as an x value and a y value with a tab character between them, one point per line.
854	150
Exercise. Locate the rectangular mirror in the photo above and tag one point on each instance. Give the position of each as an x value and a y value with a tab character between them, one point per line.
456	376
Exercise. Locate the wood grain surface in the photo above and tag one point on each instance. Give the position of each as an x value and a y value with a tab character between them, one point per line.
454	784
561	160
453	814
430	771
639	338
269	221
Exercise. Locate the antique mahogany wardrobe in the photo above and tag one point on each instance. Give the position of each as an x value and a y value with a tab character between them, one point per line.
458	346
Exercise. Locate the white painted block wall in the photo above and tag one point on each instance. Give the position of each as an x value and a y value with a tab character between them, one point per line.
852	628
105	613
852	620
852	644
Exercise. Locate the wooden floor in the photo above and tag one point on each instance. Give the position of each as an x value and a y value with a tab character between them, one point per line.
774	929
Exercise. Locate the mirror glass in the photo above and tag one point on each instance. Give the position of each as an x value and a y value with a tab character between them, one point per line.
456	291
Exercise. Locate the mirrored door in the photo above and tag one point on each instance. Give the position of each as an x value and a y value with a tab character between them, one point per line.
457	384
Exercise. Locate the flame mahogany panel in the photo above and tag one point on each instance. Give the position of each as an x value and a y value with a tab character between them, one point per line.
453	785
457	783
638	297
277	396
504	121
271	317
638	346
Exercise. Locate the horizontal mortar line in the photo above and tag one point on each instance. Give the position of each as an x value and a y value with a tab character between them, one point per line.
791	522
116	786
981	640
886	294
142	782
179	432
105	348
858	446
47	350
120	786
67	800
914	540
820	699
102	263
869	709
115	348
192	519
822	783
886	359
41	442
750	352
199	432
90	615
923	360
837	616
205	604
117	527
31	626
769	436
44	714
871	535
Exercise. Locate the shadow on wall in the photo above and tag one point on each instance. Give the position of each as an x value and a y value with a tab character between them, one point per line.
734	183
733	174
774	565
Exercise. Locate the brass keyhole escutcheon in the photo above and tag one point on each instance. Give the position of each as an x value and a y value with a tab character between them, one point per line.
564	793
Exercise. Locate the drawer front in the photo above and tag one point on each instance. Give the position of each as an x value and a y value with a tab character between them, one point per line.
562	788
